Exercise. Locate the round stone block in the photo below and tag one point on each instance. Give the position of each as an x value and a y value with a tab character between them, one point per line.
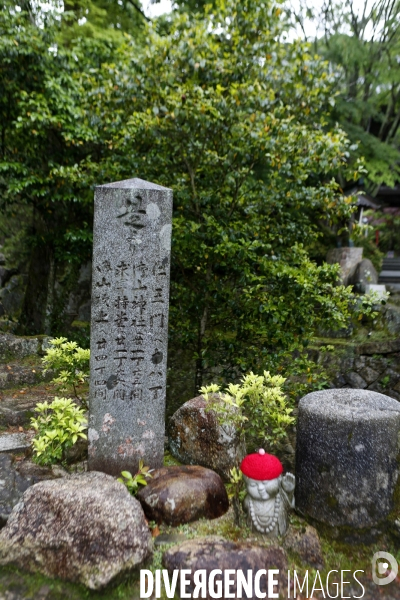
346	459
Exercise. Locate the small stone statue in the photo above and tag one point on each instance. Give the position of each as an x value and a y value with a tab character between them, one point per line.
270	495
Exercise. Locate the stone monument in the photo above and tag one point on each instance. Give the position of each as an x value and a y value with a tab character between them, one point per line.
129	325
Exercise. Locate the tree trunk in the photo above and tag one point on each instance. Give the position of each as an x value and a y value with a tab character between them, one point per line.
33	316
50	297
199	362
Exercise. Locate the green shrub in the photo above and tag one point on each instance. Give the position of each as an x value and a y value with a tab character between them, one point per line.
58	426
70	362
366	307
257	408
133	482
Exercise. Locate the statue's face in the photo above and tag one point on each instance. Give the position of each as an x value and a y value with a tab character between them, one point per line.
262	490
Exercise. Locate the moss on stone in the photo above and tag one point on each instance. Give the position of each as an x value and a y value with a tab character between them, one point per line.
395	513
332	501
337	555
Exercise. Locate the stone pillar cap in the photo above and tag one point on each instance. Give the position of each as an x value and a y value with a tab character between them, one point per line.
347	404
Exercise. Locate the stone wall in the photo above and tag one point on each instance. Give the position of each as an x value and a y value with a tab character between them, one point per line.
370	365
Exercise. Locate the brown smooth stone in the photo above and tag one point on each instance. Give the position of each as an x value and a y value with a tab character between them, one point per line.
177	495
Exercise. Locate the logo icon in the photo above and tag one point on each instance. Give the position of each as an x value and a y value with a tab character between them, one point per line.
382	562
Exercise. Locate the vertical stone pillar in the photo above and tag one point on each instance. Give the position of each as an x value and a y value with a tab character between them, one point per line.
129	325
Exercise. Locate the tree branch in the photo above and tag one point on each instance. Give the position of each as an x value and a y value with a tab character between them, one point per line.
136	7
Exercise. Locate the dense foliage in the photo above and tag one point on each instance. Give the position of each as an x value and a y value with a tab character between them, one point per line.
235	122
45	142
256	408
216	106
362	43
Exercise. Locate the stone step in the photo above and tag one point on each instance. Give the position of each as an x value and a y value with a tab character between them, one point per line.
17	411
391	263
12	346
17	374
389	280
17	406
387	276
14	442
390	273
379	347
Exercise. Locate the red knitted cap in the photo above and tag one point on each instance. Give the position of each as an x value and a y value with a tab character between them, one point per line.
261	466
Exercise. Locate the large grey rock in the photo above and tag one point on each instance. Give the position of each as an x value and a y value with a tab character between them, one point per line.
196	438
15	478
364	274
129	325
348	259
177	495
214	552
346	461
82	528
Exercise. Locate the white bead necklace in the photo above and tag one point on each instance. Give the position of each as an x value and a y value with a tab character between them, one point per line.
272	521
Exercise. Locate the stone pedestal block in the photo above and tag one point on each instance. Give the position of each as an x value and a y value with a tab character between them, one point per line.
347	457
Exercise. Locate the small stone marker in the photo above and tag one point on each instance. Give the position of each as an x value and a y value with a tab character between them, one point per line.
129	325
